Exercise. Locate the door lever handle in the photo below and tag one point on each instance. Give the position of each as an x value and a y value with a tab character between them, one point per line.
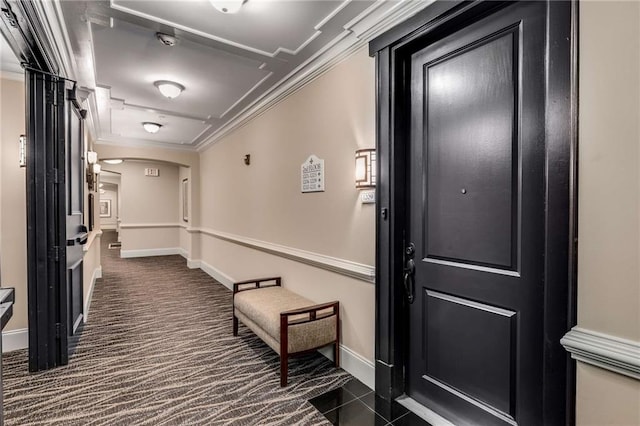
409	284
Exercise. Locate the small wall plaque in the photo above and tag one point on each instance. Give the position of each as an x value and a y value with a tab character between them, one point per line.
312	175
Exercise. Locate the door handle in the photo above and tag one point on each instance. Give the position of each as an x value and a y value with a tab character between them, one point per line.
409	273
409	287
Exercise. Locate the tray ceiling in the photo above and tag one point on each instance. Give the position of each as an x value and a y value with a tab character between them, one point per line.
226	62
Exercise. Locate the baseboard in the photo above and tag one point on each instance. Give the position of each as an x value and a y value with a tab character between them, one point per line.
193	264
216	274
354	364
15	339
127	254
97	273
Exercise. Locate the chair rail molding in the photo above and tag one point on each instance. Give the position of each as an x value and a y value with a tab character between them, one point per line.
349	268
149	225
603	350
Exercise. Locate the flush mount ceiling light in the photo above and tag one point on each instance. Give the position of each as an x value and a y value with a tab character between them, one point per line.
151	127
227	6
115	160
169	89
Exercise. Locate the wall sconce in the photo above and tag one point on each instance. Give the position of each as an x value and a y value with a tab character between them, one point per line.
247	159
366	168
92	157
22	150
93	170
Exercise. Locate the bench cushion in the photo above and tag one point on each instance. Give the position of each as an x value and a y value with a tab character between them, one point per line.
263	306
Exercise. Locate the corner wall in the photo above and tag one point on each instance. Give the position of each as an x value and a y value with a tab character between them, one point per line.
255	220
609	197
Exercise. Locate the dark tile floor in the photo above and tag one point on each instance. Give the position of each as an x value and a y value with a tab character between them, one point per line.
356	404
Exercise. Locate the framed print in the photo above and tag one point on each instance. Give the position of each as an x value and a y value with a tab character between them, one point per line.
105	208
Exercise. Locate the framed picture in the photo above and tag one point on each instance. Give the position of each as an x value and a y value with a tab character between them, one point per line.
185	200
105	208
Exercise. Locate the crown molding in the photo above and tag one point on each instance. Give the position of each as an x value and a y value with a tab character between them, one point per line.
603	350
355	36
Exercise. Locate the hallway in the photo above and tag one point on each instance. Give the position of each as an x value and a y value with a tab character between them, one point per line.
157	349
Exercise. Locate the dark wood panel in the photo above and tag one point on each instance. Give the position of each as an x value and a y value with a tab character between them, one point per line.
471	153
484	371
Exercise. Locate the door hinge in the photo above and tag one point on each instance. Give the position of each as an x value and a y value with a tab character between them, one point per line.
58	327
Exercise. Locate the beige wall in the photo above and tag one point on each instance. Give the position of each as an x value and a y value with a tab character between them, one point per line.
331	118
188	159
148	201
13	229
609	196
110	222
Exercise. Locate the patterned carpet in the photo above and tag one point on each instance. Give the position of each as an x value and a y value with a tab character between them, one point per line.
158	350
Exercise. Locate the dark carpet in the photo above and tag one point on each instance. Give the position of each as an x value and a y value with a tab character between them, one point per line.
158	350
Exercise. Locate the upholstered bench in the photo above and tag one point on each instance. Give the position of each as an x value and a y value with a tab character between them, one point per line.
287	322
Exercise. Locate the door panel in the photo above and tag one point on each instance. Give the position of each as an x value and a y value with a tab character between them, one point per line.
471	162
76	232
476	210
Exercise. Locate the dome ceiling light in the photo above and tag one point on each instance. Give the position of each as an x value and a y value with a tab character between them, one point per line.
169	89
151	127
227	6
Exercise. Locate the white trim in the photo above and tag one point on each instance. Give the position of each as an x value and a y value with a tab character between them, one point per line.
92	237
354	364
355	36
603	350
97	273
15	339
127	254
149	225
216	274
420	410
351	269
194	264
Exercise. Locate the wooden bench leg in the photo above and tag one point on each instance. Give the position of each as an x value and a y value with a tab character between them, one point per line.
284	369
336	354
284	349
235	325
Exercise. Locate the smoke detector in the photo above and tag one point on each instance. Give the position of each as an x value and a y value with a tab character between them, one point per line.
166	39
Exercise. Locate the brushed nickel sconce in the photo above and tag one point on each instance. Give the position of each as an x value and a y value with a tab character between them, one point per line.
366	168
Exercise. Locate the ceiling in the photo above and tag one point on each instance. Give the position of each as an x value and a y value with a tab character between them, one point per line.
228	63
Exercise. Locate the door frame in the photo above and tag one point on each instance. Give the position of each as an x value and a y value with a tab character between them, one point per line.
392	51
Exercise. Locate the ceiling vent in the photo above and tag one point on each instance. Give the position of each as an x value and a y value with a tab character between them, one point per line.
166	39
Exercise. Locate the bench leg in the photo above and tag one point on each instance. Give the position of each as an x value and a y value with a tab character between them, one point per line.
284	369
235	325
336	354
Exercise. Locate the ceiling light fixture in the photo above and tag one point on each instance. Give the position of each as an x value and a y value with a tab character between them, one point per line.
151	127
114	161
169	89
227	6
